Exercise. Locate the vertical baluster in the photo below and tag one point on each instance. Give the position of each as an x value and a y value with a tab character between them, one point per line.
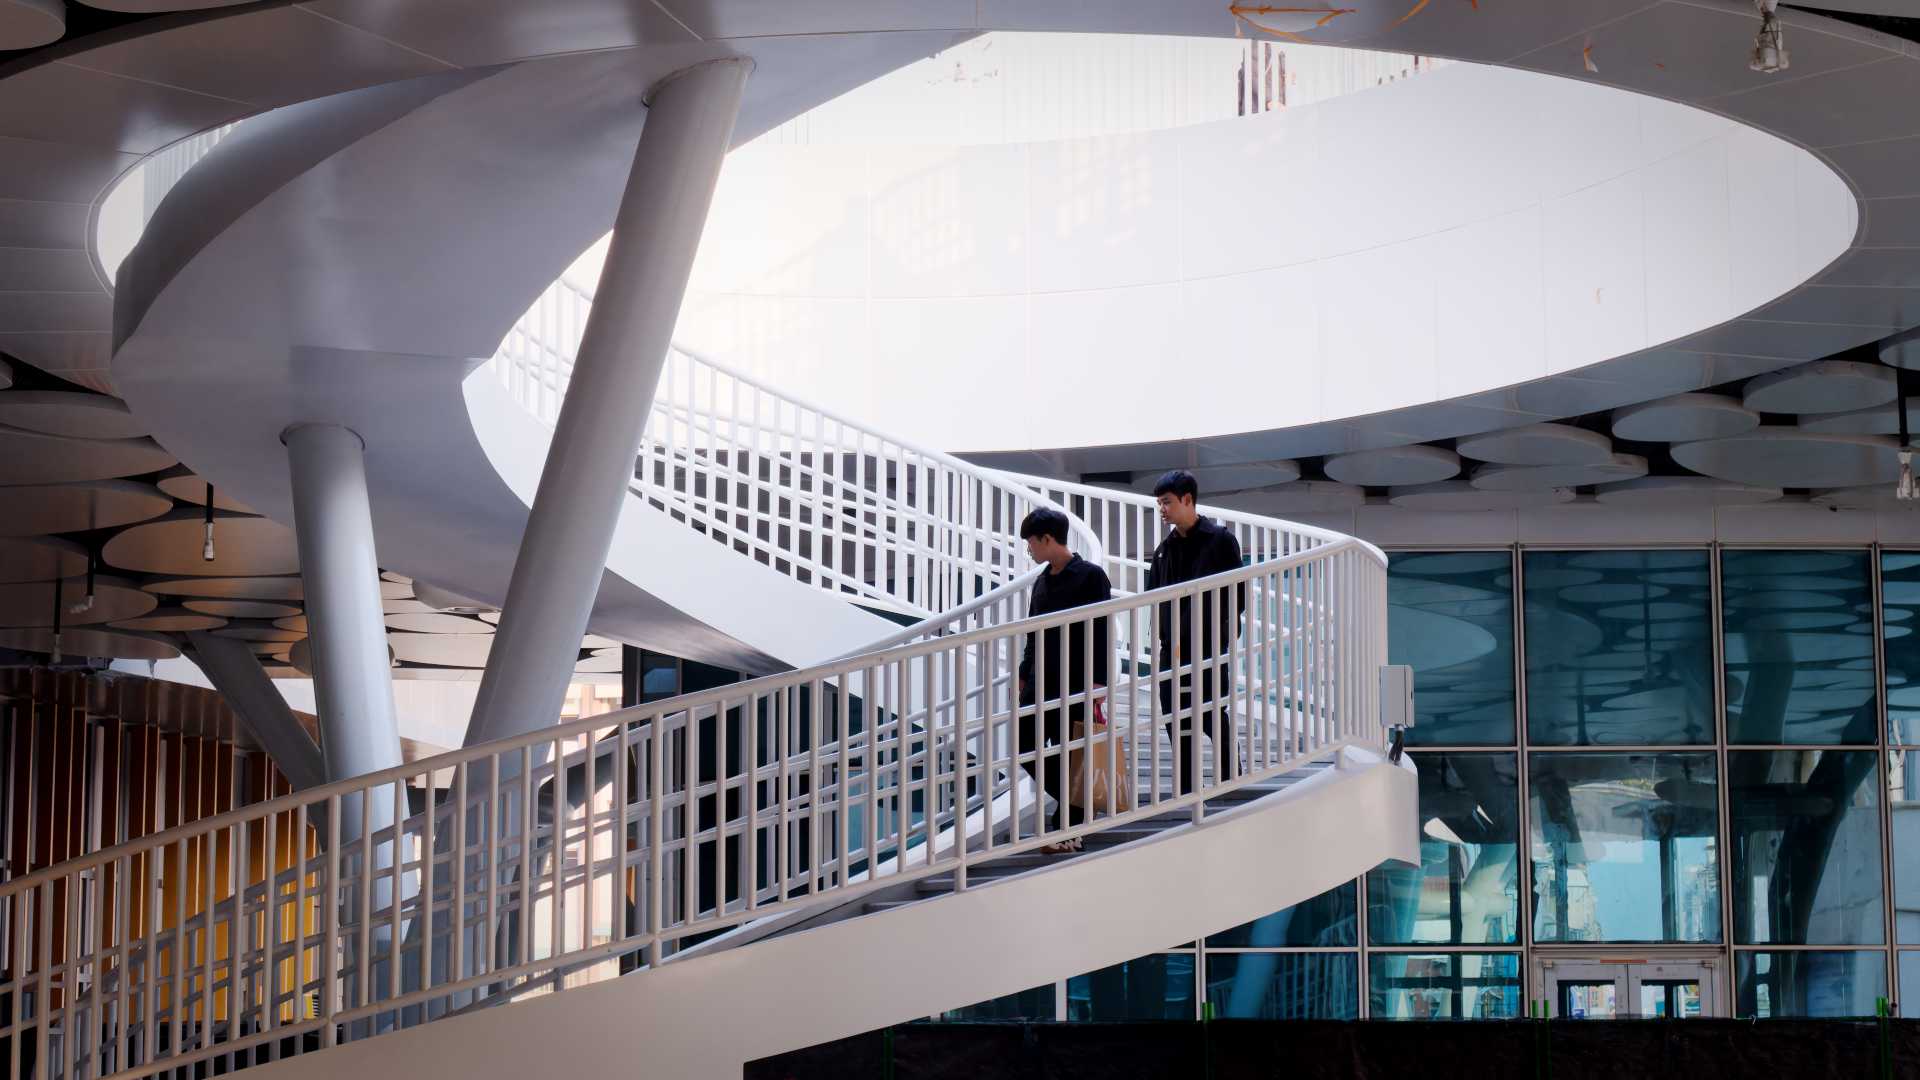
495	845
556	848
656	749
620	895
588	839
457	867
271	919
690	801
330	1003
122	1030
528	865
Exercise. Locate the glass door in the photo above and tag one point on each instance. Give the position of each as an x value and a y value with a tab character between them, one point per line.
1618	989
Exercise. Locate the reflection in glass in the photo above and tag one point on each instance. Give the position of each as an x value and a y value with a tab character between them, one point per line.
1662	999
1466	890
1589	1000
1799	647
1618	648
1450	616
1910	984
1624	847
1027	1006
1770	984
1805	831
1900	619
1327	919
1158	987
1443	986
1284	986
659	677
1903	804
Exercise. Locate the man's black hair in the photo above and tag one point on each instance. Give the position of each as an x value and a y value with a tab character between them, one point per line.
1177	483
1045	521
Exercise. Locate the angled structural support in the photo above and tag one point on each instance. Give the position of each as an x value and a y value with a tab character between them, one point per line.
236	672
589	468
347	630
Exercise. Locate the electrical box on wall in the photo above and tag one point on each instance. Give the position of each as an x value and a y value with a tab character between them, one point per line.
1396	695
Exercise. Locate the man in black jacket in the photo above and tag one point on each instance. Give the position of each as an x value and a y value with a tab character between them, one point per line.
1197	547
1069	582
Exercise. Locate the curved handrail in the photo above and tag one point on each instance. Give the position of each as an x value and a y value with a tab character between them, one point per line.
809	491
791	790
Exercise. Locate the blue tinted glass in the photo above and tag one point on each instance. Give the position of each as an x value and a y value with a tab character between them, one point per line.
1466	890
1284	986
1450	616
1027	1006
1619	648
659	677
1625	847
698	677
1910	984
1903	803
1900	630
1327	919
1151	988
1768	984
1799	647
1805	830
1443	986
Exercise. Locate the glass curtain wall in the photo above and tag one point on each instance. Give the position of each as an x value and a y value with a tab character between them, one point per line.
1667	752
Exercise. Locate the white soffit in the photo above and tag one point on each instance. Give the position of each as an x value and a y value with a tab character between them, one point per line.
42	558
1824	386
173	545
1681	492
1307	497
1451	495
1548	477
240	588
1393	466
114	600
1879	420
172	620
80	506
70	413
87	642
192	490
1790	457
1684	418
29	24
1539	444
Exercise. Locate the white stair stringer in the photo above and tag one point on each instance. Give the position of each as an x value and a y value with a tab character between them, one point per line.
710	1013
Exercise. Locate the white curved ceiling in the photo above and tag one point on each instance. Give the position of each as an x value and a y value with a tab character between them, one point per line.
1453	233
67	127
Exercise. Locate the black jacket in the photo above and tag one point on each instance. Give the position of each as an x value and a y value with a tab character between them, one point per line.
1077	584
1208	548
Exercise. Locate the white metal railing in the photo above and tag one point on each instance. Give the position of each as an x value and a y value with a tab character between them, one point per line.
825	499
266	932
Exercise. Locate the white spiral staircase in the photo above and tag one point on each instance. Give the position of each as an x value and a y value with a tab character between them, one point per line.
857	839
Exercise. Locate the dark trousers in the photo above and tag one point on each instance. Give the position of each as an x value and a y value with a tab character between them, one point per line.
1053	778
1215	720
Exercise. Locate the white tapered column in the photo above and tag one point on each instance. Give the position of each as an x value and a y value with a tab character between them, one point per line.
347	630
590	465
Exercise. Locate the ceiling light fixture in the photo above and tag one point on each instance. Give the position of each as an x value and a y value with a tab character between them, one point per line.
86	602
58	589
1770	44
1903	488
206	550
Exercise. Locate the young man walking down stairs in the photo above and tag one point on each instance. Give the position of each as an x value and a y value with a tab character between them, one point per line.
1070	582
1197	547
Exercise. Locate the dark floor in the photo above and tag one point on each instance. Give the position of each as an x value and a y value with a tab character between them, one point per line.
1299	1050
